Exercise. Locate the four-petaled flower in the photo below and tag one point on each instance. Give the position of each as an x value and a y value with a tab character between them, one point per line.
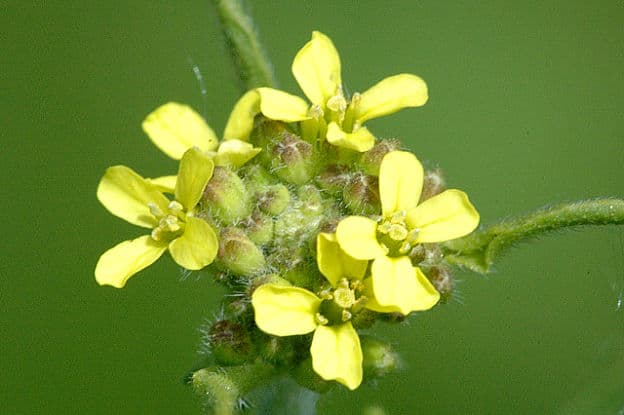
174	128
403	224
332	115
191	241
286	310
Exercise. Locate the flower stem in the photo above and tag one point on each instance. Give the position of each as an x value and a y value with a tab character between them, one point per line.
479	250
250	60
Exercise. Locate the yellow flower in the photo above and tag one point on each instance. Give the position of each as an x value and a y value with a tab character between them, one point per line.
191	241
331	115
336	351
174	128
396	284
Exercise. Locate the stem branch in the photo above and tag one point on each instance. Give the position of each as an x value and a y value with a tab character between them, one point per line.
250	60
478	250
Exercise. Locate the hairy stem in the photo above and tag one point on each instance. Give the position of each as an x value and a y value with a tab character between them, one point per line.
250	60
479	250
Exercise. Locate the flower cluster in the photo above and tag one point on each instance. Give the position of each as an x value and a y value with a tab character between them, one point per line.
316	226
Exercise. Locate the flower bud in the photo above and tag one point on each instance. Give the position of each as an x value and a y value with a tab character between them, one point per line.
362	194
238	253
226	196
378	357
230	343
433	184
334	178
442	279
258	227
370	161
255	177
293	160
273	199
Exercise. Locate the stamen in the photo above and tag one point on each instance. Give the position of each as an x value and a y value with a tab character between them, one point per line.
155	210
346	315
171	223
175	207
321	319
337	103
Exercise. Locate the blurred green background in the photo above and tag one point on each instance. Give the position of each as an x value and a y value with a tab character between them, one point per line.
525	110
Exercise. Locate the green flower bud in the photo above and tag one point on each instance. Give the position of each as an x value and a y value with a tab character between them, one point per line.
293	160
378	357
230	343
362	194
433	184
273	199
256	177
442	279
238	253
371	160
334	178
258	227
226	196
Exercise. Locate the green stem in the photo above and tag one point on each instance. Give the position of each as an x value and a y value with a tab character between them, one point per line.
250	60
478	250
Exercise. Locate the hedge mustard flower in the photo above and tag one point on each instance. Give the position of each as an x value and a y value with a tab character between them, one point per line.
403	224
332	115
174	128
190	240
287	311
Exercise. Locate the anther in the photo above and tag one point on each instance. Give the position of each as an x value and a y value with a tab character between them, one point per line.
155	210
321	319
346	315
175	206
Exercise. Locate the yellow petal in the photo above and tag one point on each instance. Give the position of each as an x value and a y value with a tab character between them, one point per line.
390	95
360	140
337	354
334	263
281	106
398	286
400	182
164	184
241	119
317	69
122	261
235	153
127	195
194	173
197	247
174	128
285	311
357	236
445	216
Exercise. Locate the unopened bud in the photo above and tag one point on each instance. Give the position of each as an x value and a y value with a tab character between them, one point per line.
426	255
378	357
362	194
255	177
238	253
370	161
273	199
433	184
230	343
293	160
226	196
442	279
258	227
334	178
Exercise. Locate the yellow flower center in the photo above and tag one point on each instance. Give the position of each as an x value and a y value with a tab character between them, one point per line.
341	303
393	233
170	223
